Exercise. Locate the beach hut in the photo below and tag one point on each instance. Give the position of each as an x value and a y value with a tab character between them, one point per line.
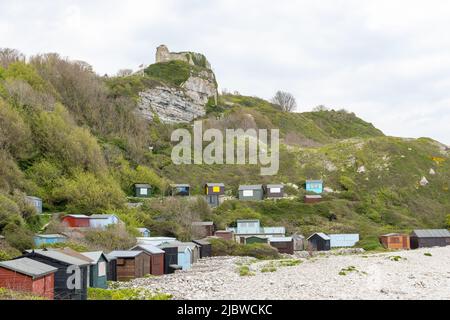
315	198
111	271
252	227
182	190
319	242
195	249
185	257
315	186
343	240
213	193
283	244
156	262
35	202
395	241
142	190
299	242
129	264
224	234
255	239
144	232
203	229
27	275
71	278
205	247
170	257
76	221
98	271
251	192
45	239
102	221
274	191
426	238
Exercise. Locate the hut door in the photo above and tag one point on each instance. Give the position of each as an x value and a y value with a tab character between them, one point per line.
405	242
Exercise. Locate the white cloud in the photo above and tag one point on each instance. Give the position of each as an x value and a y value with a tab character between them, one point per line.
388	61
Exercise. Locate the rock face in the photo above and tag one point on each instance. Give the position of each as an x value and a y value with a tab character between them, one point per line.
169	104
183	103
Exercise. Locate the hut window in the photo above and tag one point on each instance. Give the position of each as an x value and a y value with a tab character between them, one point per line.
102	269
275	190
144	191
216	189
120	262
248	193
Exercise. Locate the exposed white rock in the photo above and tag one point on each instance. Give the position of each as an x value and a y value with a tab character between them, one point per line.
432	172
424	182
361	169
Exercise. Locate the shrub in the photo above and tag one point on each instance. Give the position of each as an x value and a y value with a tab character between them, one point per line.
114	237
70	244
370	244
244	271
18	237
221	247
172	72
126	294
87	193
4	256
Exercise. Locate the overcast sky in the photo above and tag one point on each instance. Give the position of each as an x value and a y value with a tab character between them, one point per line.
387	61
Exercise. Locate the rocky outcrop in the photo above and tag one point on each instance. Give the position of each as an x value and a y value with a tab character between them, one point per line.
169	105
183	103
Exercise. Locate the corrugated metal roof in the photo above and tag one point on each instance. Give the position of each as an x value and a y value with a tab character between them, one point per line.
431	233
59	256
148	248
72	253
124	253
280	239
320	234
250	187
29	267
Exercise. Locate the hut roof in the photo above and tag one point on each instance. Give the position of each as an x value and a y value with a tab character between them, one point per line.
393	234
78	216
142	185
202	223
60	256
33	198
180	185
273	230
280	239
102	216
313	196
314	181
72	253
431	233
125	253
95	256
320	234
29	267
148	248
275	186
250	187
209	184
201	242
50	236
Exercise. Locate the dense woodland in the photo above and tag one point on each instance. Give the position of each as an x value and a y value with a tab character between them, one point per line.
72	138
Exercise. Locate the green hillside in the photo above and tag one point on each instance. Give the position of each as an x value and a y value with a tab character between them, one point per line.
72	138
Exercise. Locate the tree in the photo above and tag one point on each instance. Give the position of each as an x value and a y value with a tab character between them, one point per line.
285	101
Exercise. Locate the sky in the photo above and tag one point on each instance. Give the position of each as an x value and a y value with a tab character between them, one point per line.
387	61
